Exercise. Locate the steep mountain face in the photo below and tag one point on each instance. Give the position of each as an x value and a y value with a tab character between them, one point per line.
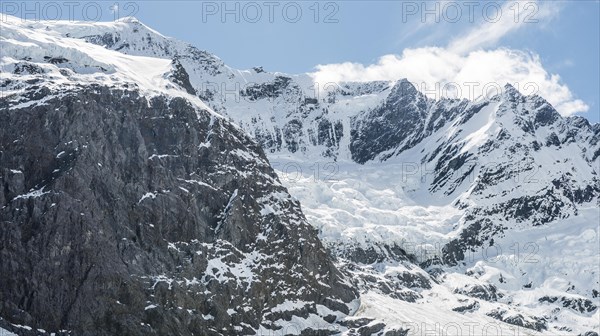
500	159
120	211
437	211
129	207
542	177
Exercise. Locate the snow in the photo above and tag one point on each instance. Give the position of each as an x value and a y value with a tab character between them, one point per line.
244	155
199	183
152	306
161	156
33	194
477	134
148	195
296	324
89	63
378	203
367	204
5	332
290	305
433	318
222	269
267	210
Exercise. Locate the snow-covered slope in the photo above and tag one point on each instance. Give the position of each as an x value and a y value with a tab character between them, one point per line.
380	231
33	53
438	210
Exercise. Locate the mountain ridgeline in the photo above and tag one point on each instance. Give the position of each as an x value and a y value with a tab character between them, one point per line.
137	196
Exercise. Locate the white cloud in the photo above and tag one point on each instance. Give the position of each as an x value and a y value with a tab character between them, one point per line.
513	15
464	64
436	71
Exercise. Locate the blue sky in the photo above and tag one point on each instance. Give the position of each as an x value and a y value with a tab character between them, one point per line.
564	35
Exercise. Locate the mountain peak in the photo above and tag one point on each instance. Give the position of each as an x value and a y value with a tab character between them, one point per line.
509	91
129	19
137	26
405	88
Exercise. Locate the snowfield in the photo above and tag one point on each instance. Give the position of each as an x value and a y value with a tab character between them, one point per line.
368	205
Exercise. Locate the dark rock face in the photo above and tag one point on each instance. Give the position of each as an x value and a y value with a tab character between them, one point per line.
529	322
552	140
126	216
390	125
487	292
580	305
279	86
405	119
476	234
292	132
546	116
363	326
590	333
471	307
373	254
398	332
363	268
181	77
